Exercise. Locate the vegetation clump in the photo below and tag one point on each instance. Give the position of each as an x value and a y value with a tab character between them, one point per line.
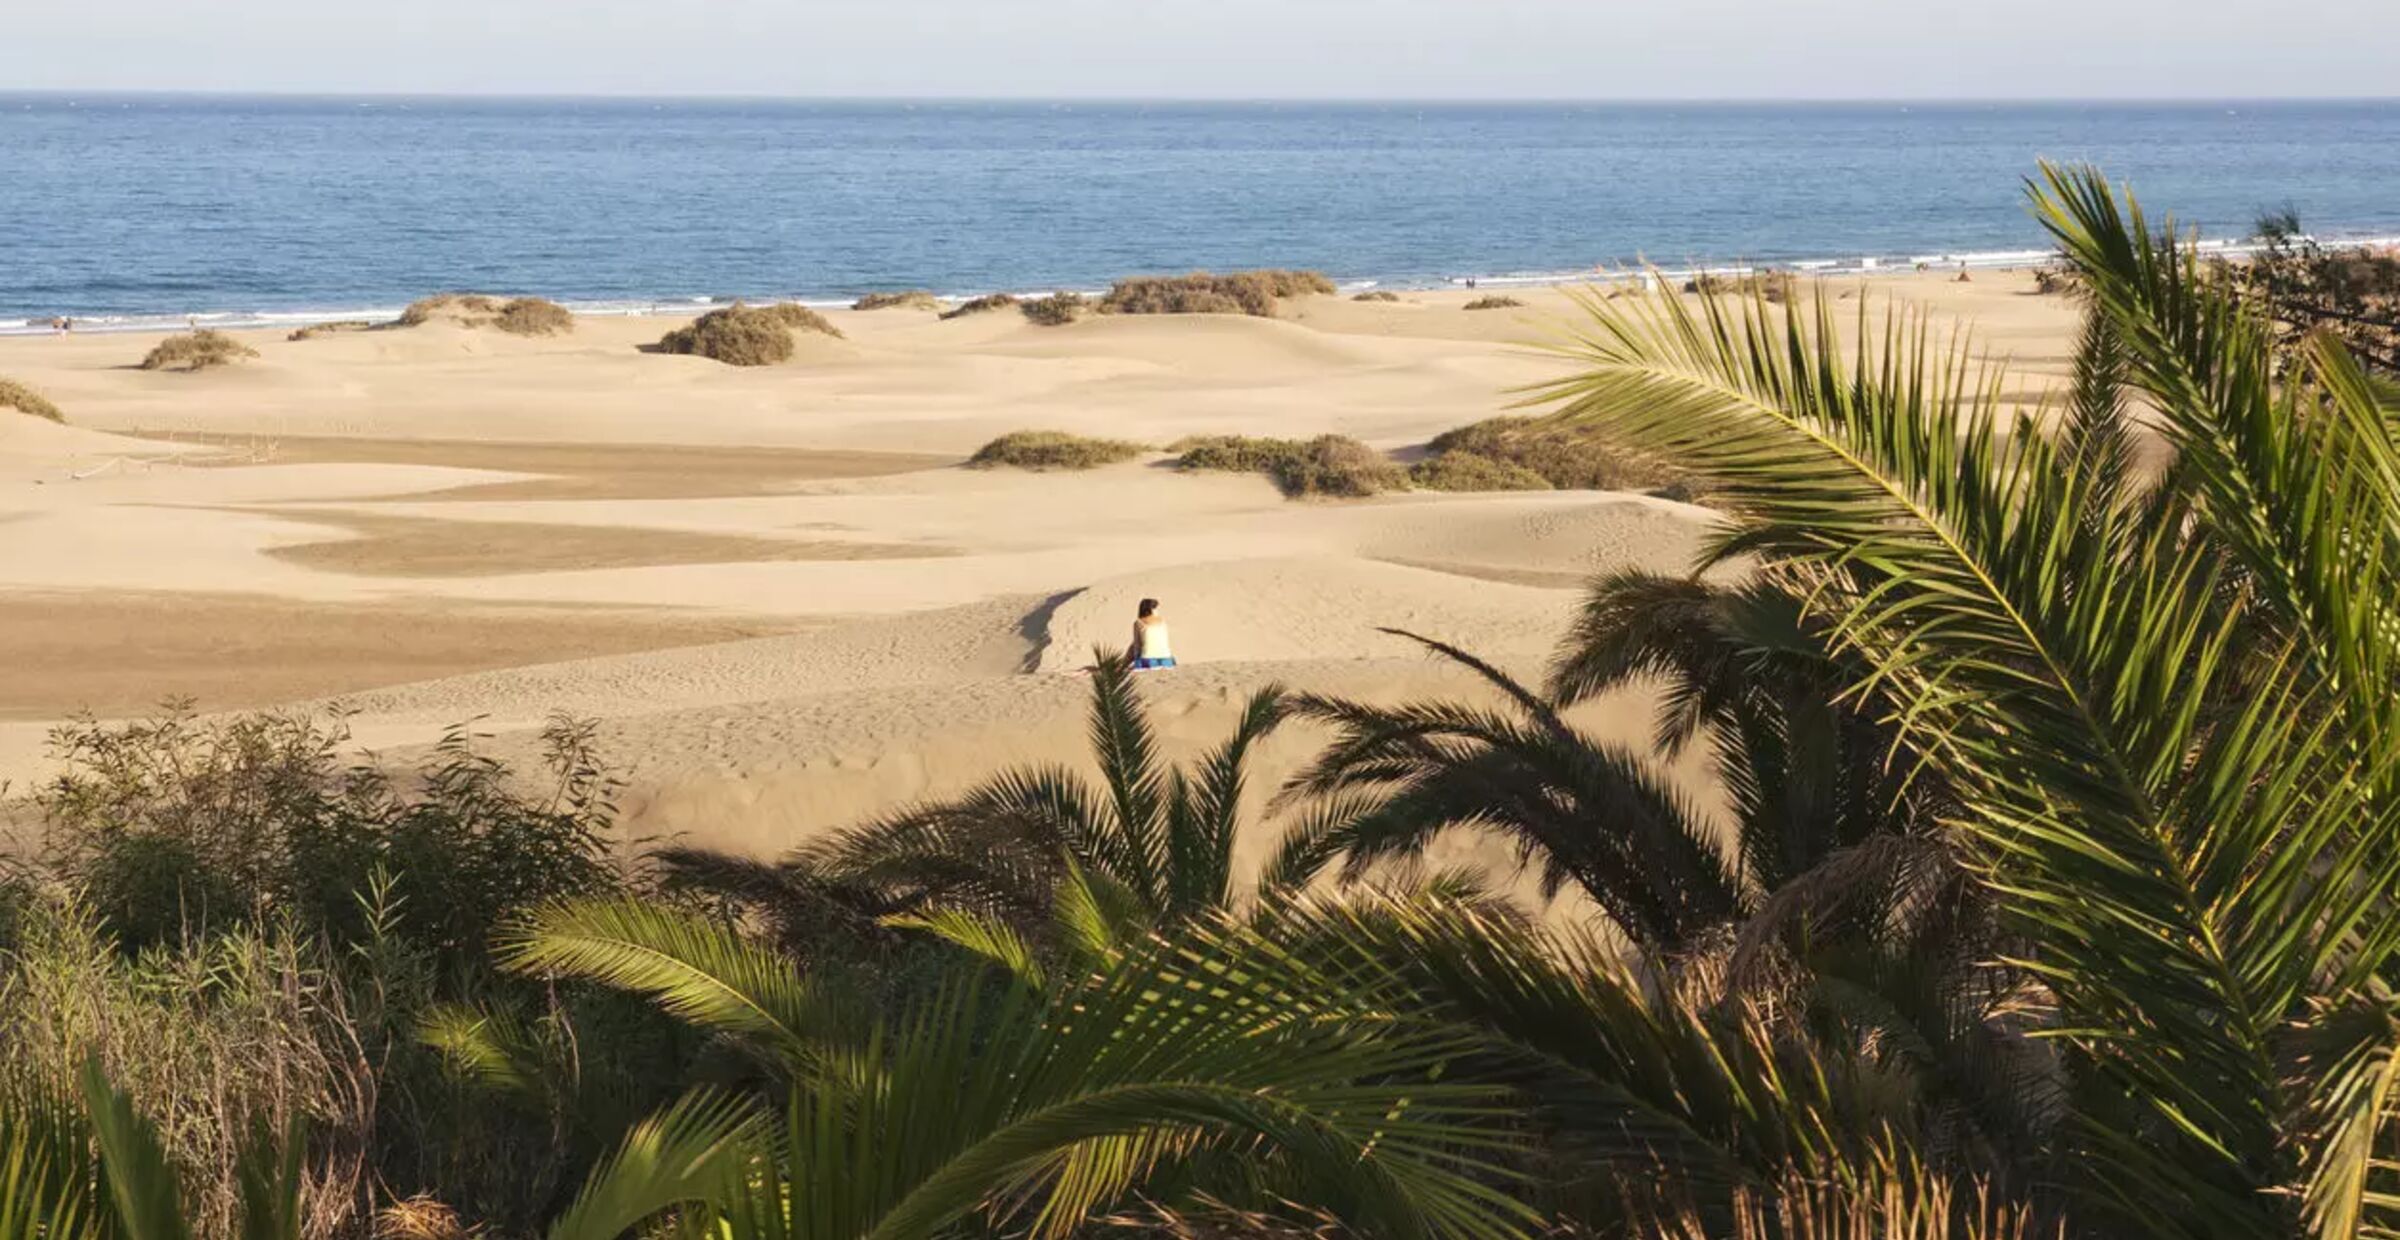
1056	310
1493	302
979	305
1776	287
1563	457
1471	471
2351	293
1335	466
17	396
1377	294
736	335
913	299
1052	450
518	316
1253	293
314	330
802	318
197	350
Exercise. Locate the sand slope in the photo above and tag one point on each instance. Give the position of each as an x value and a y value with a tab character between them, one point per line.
775	586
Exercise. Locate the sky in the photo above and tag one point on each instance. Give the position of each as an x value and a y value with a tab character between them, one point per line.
1212	49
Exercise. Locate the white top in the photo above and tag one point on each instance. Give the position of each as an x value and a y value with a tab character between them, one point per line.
1151	635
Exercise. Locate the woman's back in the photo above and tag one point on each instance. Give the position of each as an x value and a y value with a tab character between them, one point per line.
1153	638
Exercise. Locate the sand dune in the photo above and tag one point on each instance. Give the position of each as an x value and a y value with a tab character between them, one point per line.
776	588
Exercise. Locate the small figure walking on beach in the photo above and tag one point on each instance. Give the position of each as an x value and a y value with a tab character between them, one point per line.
1150	648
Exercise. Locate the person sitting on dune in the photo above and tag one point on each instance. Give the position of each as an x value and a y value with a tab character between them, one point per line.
1150	648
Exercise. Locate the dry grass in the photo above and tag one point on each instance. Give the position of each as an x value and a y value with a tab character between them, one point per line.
2055	280
17	396
802	319
737	335
978	305
914	299
1566	459
1242	292
314	330
1776	287
1377	295
518	316
197	350
1329	465
1052	450
1472	471
1056	310
1494	302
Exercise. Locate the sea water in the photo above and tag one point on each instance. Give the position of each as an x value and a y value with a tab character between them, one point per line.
137	210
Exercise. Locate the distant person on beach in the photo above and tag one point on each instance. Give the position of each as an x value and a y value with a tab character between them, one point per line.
1150	648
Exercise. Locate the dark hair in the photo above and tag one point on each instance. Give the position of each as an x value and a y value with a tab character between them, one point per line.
1148	605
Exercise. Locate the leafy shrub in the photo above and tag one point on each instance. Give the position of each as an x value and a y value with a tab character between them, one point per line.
978	305
1242	292
518	316
1470	471
1056	310
1377	295
1566	459
737	335
1776	287
1493	302
1052	450
533	316
177	826
197	350
802	319
17	396
2054	280
314	330
914	299
1331	465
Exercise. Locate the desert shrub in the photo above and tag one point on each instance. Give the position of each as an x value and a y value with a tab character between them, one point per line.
1052	450
211	1039
1377	295
1331	465
17	396
518	316
737	335
978	305
914	299
2054	280
177	826
1493	302
197	350
802	319
1472	471
314	330
457	305
1241	292
533	316
1567	459
1773	286
1056	310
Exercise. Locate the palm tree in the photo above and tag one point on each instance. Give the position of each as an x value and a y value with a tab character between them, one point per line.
1148	846
1217	1063
2170	742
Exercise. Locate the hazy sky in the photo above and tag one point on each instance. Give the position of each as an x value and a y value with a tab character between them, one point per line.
1213	48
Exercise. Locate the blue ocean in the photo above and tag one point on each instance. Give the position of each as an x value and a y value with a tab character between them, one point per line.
129	209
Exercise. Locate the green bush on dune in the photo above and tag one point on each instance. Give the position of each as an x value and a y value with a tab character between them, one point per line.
802	318
1377	295
314	330
1329	465
1563	457
518	316
196	350
980	305
913	299
1492	302
1055	310
17	396
1470	471
736	335
1053	450
1242	292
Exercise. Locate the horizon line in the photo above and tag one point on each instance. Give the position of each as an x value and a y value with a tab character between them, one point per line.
1181	100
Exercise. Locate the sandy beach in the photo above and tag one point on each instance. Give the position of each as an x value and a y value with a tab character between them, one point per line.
776	588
